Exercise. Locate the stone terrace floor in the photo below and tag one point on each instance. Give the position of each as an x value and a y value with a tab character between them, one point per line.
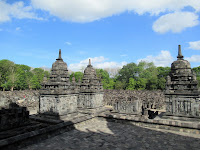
99	134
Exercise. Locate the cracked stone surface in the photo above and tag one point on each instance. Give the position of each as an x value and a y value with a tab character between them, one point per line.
100	134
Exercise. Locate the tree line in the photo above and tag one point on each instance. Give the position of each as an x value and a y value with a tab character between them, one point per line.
20	77
142	76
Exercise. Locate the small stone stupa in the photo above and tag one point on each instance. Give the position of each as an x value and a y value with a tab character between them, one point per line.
182	95
57	95
91	89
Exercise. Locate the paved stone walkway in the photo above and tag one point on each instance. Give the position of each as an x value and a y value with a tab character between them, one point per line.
103	135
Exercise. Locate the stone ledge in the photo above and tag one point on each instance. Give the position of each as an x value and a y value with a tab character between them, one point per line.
184	125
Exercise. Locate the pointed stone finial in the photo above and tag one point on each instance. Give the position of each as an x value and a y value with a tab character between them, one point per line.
180	56
59	53
59	56
90	62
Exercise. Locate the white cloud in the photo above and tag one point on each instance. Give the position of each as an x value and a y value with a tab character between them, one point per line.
163	59
18	29
194	45
124	55
97	62
193	58
94	60
68	43
175	22
90	10
15	10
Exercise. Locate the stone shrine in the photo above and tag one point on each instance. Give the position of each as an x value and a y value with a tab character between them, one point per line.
182	95
58	95
91	89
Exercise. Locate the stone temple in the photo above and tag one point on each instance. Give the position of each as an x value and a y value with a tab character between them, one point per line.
182	94
61	97
91	89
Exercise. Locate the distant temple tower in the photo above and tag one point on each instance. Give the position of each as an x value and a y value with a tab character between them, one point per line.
91	89
182	95
56	96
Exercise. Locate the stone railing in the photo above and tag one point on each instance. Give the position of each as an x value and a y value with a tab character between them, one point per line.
148	99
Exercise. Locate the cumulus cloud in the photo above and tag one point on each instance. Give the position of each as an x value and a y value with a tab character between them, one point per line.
175	22
68	43
163	59
97	62
15	10
193	58
194	45
90	10
18	29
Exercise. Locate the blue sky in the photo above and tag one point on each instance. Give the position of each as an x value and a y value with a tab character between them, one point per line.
110	32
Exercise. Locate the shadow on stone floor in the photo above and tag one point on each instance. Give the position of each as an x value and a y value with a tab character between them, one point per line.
109	134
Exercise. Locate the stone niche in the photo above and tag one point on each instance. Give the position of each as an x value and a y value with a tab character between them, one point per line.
182	95
58	95
91	89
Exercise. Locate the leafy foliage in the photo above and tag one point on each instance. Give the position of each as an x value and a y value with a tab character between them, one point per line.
78	76
131	77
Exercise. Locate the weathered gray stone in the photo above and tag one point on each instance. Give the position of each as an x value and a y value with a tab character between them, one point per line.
58	95
13	117
91	89
182	95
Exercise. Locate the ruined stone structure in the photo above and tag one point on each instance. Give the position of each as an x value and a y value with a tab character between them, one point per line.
182	95
91	89
13	117
57	95
60	96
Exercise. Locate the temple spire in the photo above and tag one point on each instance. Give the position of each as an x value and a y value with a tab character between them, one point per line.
180	56
90	62
59	57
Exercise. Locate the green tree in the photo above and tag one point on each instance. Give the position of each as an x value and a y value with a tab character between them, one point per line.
128	71
120	85
131	84
105	79
78	76
161	83
7	74
35	83
197	72
141	84
23	76
163	72
111	84
39	73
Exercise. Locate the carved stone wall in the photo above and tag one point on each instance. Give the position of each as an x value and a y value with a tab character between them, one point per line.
128	107
90	100
58	104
